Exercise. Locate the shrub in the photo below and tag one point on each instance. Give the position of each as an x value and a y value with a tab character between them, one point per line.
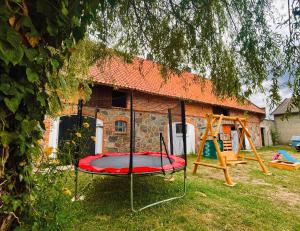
275	137
48	206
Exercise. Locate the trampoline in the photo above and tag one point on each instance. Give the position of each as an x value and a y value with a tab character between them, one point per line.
134	163
143	163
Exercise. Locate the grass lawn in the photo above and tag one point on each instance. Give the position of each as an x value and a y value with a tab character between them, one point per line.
257	202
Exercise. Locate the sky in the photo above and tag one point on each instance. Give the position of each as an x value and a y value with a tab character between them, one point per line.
261	99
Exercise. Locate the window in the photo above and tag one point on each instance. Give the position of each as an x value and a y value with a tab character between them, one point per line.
120	126
220	110
119	99
179	128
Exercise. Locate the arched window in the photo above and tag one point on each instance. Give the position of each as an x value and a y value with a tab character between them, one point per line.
120	126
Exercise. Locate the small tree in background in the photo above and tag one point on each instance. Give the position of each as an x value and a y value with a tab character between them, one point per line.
275	137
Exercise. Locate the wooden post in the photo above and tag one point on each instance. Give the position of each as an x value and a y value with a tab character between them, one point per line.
262	165
222	162
259	160
218	126
241	140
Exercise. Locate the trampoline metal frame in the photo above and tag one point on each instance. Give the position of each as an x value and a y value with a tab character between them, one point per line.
183	121
132	147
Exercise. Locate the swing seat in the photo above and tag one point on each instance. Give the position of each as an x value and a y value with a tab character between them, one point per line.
231	158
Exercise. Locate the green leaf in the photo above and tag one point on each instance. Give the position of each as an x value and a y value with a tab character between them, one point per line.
16	204
32	76
63	83
51	28
31	54
3	30
26	22
4	87
55	64
10	53
15	55
7	137
13	103
14	38
64	10
41	99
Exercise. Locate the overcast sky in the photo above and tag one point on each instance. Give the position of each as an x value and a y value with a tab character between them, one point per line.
261	99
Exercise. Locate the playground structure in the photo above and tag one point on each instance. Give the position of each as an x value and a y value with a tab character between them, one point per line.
290	163
227	157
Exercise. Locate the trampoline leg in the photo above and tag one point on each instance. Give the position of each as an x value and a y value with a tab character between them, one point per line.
158	202
76	184
131	193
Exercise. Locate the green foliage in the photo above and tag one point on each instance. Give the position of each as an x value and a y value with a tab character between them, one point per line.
78	141
229	41
49	202
49	205
36	38
275	137
292	52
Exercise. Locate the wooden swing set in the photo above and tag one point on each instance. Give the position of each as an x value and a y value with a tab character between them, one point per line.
227	157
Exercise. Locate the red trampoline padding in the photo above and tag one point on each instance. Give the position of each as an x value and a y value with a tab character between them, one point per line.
118	163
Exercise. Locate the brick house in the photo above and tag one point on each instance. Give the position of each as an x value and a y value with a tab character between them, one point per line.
152	97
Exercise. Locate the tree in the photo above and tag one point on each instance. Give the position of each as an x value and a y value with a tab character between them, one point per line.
292	51
228	39
36	37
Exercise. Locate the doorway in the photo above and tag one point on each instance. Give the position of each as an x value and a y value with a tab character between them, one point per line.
262	132
177	138
61	128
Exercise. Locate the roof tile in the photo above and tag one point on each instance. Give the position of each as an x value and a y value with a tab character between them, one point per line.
144	75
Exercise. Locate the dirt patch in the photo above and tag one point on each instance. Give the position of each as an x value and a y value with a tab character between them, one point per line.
260	182
208	217
290	198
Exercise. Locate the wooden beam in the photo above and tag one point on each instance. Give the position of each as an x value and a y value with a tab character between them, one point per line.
262	165
209	165
244	128
252	158
232	118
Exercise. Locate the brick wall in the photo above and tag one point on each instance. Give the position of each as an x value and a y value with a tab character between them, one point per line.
151	119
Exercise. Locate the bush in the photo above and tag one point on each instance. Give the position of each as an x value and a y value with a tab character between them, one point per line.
275	137
48	206
77	141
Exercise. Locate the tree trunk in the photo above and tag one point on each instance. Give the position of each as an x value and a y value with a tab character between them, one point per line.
10	175
6	221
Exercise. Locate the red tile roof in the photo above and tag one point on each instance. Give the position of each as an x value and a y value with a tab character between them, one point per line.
144	76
